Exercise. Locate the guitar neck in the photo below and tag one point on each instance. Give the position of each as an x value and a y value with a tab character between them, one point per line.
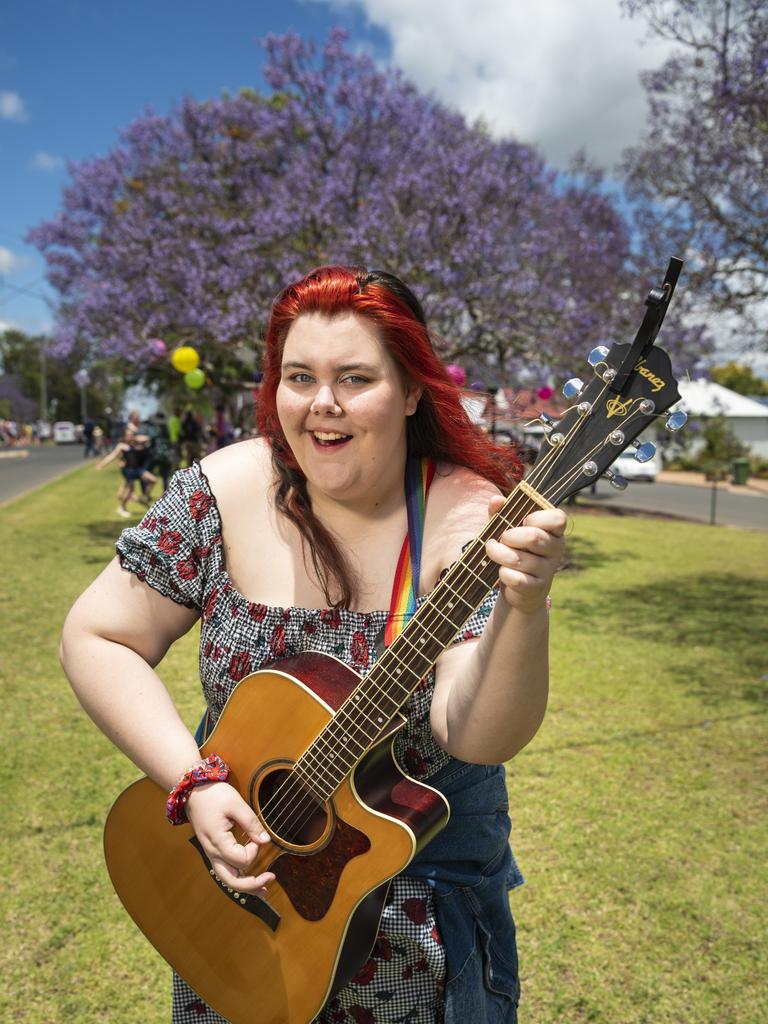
370	709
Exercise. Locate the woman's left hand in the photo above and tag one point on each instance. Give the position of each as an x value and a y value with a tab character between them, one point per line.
528	556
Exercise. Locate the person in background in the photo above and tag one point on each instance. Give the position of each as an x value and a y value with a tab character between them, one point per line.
89	447
132	453
191	437
161	454
223	427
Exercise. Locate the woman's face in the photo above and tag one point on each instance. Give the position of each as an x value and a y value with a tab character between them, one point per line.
342	402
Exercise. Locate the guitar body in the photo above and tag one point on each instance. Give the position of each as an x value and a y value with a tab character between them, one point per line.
275	961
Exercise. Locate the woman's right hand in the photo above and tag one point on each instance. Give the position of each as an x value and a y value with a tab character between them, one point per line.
213	810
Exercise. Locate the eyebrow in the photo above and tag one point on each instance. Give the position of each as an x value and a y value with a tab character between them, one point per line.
344	368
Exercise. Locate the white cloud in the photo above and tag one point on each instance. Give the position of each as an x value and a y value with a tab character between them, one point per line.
12	107
558	74
43	161
9	262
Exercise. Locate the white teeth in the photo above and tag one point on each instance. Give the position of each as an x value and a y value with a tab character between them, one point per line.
327	437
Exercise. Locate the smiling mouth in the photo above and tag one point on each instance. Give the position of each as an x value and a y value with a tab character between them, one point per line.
329	439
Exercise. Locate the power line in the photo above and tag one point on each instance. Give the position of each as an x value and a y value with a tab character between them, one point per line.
21	290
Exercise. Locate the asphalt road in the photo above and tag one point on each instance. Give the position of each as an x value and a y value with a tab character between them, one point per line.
689	502
23	469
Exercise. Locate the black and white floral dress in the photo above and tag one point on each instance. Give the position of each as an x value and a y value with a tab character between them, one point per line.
177	550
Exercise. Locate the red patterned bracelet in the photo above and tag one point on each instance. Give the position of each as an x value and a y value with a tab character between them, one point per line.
212	769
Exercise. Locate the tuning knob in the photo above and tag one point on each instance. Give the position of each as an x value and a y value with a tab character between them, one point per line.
676	420
597	355
546	420
573	387
645	452
615	480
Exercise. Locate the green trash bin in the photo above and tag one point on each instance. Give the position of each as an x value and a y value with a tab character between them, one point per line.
740	469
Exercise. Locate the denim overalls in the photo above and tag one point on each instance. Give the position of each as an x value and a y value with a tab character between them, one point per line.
471	869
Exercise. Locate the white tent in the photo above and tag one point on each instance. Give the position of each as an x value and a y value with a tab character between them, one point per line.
747	418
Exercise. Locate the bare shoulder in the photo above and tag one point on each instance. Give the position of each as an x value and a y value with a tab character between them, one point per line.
238	468
461	495
457	510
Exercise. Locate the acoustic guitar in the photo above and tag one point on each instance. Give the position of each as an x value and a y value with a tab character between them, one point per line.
310	747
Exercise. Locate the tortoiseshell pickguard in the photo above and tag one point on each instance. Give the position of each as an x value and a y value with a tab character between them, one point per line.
310	882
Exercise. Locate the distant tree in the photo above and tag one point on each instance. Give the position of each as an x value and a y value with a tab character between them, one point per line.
20	361
739	378
190	227
699	176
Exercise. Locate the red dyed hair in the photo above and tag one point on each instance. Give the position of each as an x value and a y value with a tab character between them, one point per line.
440	428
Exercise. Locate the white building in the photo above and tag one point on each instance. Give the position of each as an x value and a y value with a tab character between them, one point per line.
747	418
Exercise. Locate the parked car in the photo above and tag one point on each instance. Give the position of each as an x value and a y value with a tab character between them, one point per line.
64	432
627	466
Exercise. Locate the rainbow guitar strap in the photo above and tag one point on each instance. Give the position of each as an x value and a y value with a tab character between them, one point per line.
419	474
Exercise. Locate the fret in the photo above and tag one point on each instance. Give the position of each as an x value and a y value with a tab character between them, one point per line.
382	667
476	585
454	594
304	779
446	619
320	769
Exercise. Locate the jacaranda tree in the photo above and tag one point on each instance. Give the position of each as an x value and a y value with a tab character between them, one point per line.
700	174
188	229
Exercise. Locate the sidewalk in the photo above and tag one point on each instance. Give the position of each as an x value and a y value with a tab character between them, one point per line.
753	488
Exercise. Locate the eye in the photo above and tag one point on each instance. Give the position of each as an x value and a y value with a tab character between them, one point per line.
299	377
353	378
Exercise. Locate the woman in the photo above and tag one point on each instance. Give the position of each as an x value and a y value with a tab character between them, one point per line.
132	453
289	542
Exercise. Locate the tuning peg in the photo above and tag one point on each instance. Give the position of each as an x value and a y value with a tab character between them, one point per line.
644	452
546	420
597	355
615	480
573	387
676	420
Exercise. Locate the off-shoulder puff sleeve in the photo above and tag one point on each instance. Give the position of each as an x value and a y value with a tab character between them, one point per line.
176	547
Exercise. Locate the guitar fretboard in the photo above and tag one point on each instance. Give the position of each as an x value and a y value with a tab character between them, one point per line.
369	710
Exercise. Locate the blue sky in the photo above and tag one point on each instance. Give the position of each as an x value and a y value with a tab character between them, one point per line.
74	72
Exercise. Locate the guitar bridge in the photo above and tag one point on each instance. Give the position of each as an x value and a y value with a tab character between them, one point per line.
247	901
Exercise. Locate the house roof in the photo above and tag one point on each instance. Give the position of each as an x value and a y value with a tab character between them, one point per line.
705	398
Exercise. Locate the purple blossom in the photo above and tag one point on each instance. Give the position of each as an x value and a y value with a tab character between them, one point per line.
192	224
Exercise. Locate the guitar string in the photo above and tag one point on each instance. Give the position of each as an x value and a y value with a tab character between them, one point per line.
309	806
273	808
463	566
425	623
283	803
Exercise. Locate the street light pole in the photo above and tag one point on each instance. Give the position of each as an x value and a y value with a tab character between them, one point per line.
83	379
43	384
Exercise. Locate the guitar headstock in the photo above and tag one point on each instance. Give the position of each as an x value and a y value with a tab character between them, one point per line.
580	446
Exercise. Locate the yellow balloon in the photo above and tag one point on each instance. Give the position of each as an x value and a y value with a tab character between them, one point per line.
185	359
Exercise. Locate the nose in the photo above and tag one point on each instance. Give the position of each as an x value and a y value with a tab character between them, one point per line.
325	401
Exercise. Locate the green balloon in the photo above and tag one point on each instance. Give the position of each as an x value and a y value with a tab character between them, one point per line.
194	379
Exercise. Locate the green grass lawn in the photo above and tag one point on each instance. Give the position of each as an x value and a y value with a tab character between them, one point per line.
638	810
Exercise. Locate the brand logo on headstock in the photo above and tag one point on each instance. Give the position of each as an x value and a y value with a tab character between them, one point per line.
656	382
615	407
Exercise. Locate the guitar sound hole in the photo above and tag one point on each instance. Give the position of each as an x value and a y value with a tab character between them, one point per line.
288	809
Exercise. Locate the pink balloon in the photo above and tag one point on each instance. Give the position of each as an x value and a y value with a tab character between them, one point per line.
545	393
457	374
158	346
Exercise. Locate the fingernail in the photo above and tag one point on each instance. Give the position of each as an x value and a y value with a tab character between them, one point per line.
264	837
